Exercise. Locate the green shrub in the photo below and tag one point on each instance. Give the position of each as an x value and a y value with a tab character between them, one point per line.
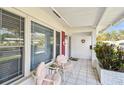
110	56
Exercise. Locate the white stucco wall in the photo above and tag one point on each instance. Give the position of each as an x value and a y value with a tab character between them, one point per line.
79	49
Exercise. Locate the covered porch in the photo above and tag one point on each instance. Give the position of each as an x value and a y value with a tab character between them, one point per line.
46	32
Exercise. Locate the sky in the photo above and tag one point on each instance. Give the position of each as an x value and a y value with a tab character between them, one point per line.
119	26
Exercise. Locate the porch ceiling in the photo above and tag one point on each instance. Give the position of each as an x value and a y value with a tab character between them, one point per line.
86	18
80	16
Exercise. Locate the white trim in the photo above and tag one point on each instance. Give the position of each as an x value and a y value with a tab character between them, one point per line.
27	58
40	22
11	80
13	10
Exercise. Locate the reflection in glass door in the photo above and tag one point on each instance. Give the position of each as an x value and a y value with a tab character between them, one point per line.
11	46
57	43
41	45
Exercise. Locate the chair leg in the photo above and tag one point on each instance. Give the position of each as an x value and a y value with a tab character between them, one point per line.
62	75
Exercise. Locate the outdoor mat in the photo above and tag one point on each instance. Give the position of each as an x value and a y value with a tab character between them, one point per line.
73	59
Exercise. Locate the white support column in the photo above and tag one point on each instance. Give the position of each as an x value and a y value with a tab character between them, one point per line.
94	33
27	60
54	50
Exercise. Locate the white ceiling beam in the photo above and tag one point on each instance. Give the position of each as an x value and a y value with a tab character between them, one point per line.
100	21
101	14
111	16
80	29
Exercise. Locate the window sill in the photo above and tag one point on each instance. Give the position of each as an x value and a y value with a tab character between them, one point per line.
12	81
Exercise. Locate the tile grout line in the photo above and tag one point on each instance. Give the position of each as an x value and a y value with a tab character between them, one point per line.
86	72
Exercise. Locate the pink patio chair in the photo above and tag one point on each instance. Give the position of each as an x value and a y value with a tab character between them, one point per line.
66	66
64	62
61	60
43	78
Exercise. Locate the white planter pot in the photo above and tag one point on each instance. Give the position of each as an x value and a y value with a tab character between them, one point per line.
108	77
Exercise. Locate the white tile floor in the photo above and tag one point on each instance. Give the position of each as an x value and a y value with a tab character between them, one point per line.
82	74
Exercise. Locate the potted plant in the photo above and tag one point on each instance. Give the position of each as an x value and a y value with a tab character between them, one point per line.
110	65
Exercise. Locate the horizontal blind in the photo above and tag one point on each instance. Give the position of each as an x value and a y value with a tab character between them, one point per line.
11	45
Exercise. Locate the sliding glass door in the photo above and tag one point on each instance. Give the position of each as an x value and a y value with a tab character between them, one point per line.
11	46
41	45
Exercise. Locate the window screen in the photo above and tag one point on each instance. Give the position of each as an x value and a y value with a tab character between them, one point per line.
57	43
11	45
42	44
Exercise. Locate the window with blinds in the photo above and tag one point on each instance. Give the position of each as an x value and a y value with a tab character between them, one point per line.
57	43
11	46
41	44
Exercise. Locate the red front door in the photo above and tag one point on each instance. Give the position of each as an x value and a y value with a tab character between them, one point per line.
63	43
